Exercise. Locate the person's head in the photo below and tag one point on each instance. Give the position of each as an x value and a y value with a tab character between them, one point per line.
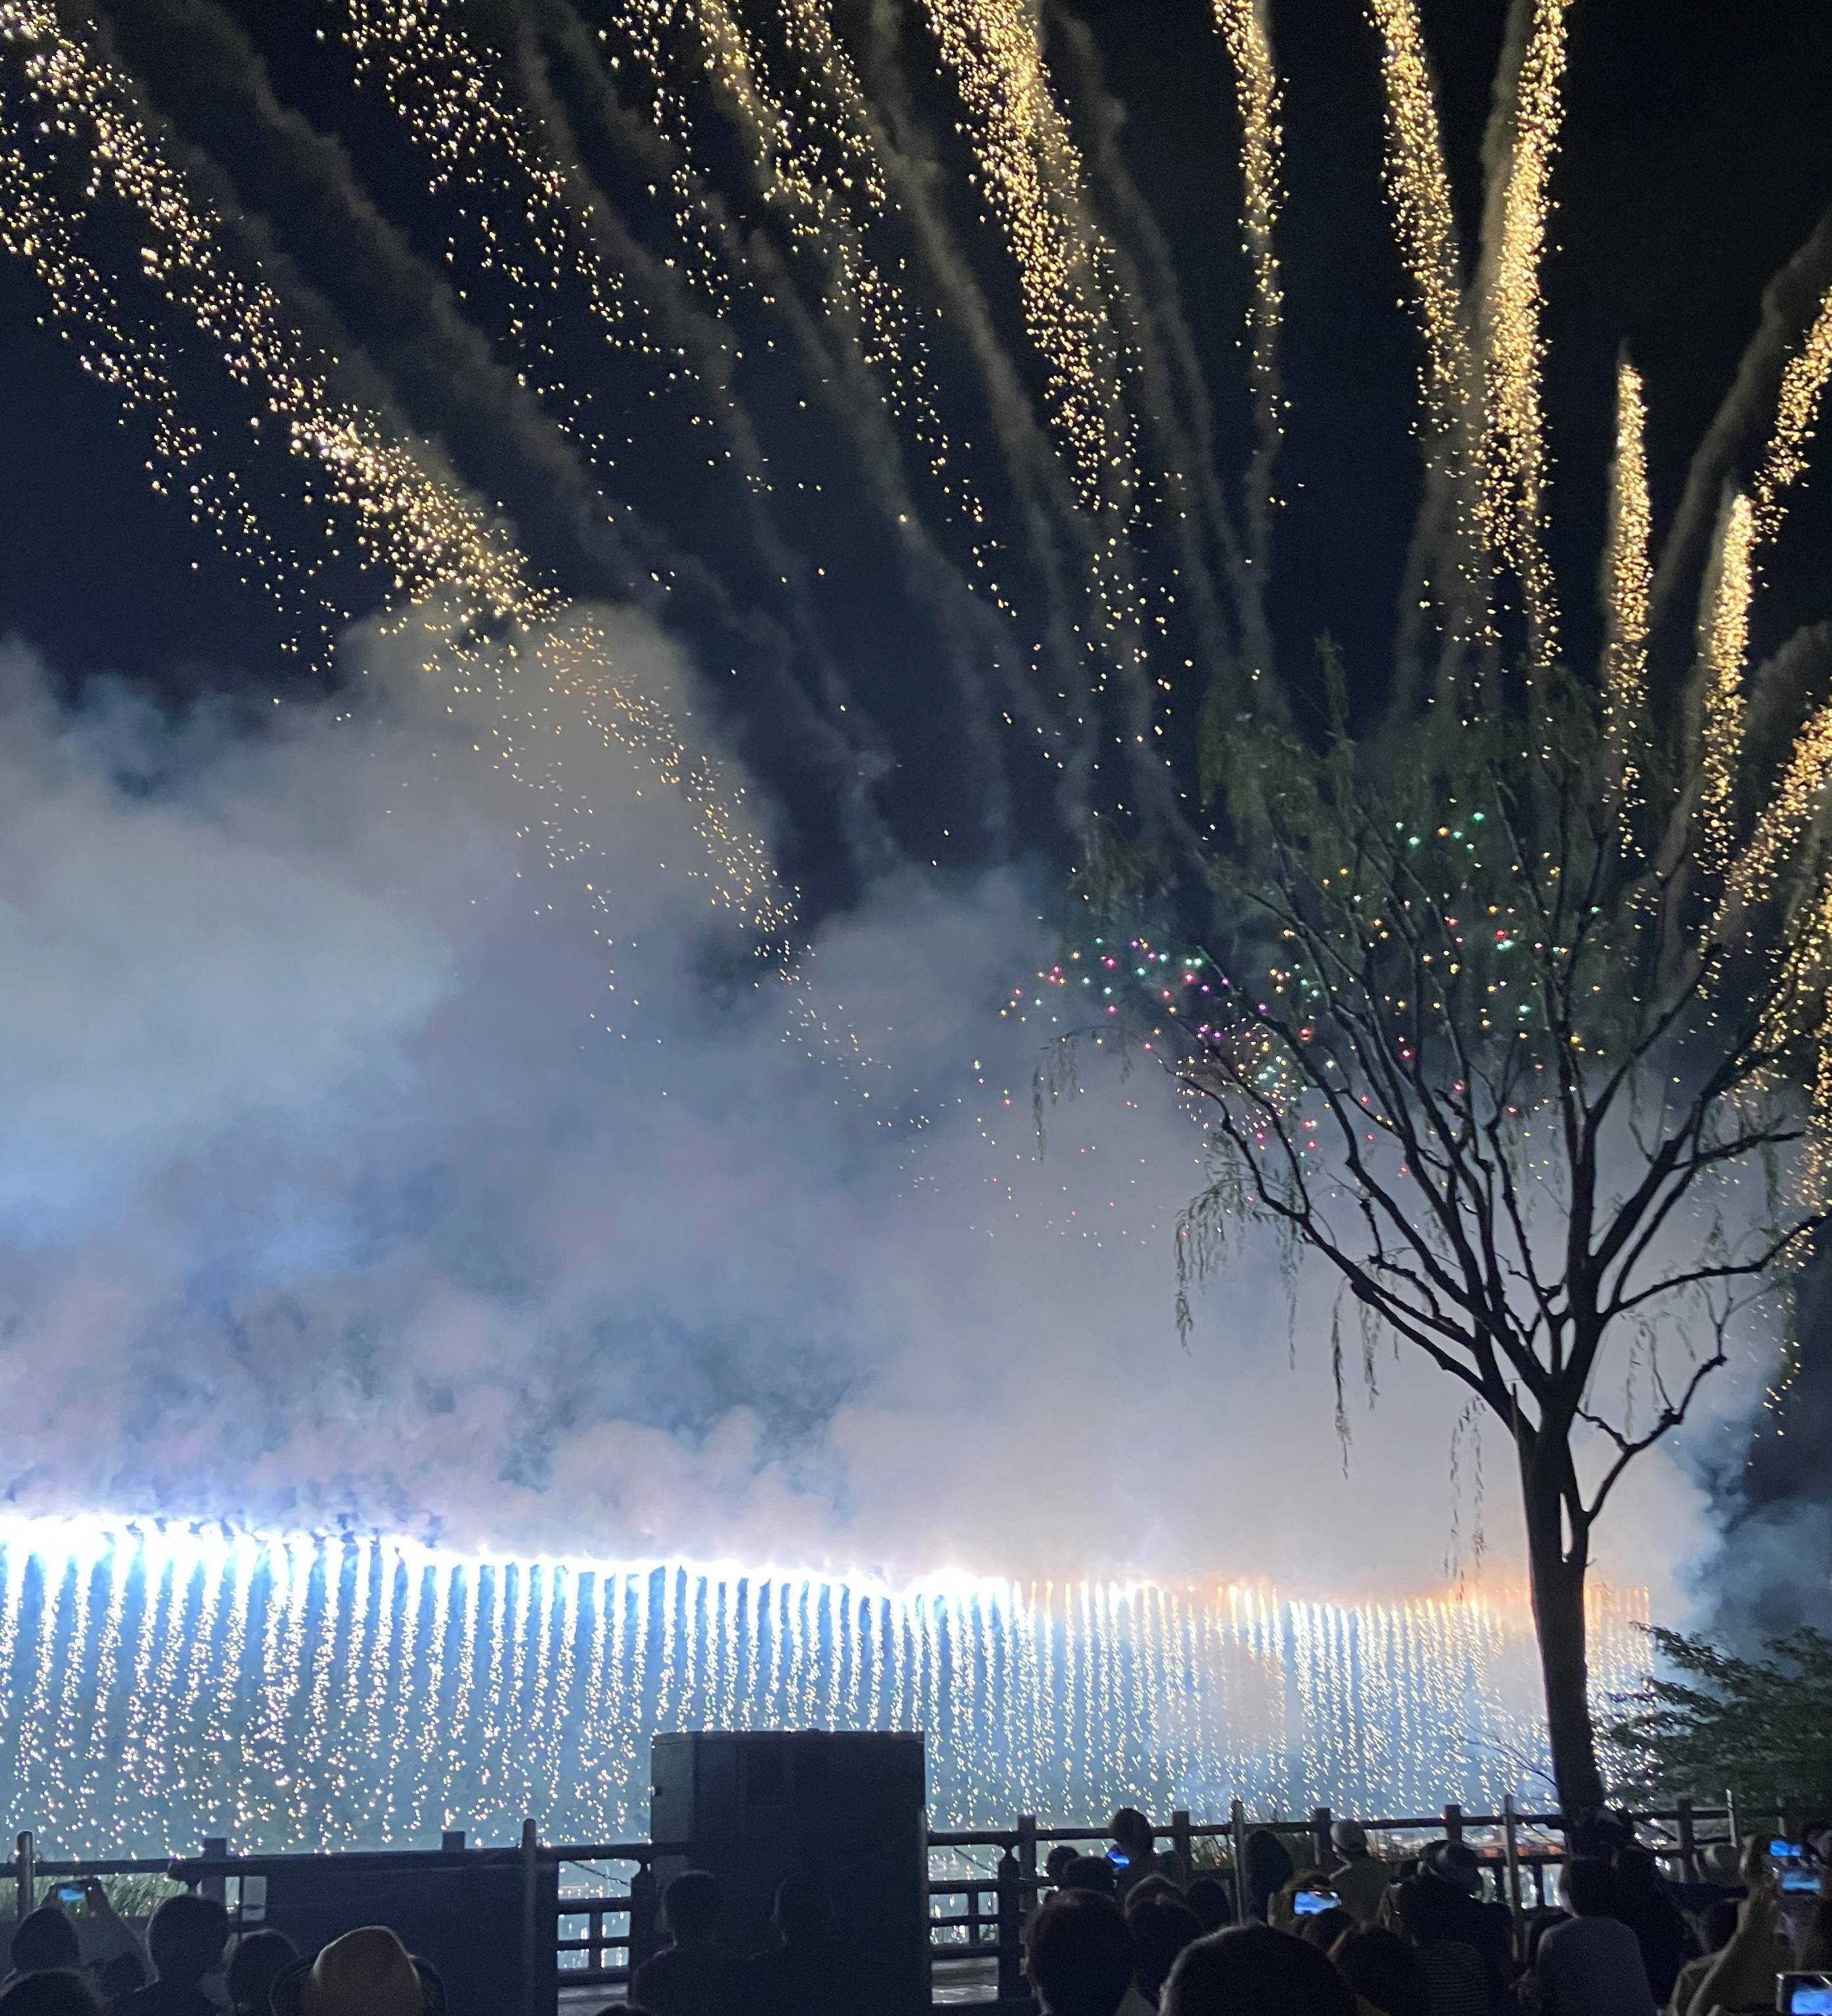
1323	1929
1350	1838
1132	1832
1080	1955
692	1903
1637	1873
1059	1858
1254	1971
1456	1864
1090	1872
1429	1911
1588	1887
1162	1926
1269	1861
1383	1970
1147	1887
1212	1901
186	1938
260	1958
803	1911
126	1971
50	1992
367	1972
44	1938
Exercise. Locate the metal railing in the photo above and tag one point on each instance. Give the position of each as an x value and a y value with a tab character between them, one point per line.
1517	1849
598	1936
610	1957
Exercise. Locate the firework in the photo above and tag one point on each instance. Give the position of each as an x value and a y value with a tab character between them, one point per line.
1515	464
1723	645
1628	574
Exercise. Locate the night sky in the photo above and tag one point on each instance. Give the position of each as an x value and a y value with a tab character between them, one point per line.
1696	160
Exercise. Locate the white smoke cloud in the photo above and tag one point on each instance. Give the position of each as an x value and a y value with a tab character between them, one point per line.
354	1167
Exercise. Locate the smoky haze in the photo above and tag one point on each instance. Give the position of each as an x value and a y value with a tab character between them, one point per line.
358	1172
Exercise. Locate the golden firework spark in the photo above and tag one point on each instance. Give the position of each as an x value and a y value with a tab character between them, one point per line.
1418	187
1797	412
420	531
1723	644
1755	877
1514	462
1629	576
1034	174
1243	28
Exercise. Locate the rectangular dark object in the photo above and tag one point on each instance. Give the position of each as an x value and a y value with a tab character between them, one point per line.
464	1917
846	1804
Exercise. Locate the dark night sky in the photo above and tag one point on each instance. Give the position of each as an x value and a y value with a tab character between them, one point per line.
1695	158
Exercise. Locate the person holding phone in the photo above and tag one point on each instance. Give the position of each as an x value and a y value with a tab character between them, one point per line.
1134	1854
46	1938
1743	1973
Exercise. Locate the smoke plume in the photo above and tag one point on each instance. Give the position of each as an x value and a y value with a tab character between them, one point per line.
364	1170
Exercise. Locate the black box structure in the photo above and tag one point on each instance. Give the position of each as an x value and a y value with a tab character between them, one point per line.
847	1805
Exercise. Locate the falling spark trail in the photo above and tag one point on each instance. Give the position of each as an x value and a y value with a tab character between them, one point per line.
1723	645
1449	580
1514	460
1627	584
1797	412
1243	28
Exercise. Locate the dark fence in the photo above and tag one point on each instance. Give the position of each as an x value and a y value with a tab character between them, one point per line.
977	1921
595	1925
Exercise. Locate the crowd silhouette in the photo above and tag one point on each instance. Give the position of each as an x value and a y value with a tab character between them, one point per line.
1131	1932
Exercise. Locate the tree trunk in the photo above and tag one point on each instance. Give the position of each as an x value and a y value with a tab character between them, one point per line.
1559	1619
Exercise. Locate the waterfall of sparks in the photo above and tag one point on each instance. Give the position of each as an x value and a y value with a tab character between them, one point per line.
1784	821
1243	27
1514	461
136	1720
410	527
815	162
1033	178
1797	410
1627	582
1774	844
1033	182
1418	187
1723	644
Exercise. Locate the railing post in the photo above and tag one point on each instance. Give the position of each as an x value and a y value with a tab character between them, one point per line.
25	1886
216	1848
1237	1827
1011	1960
1453	1822
1688	1841
452	1842
1027	1864
645	1905
1319	1835
1511	1849
1181	1843
531	1858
